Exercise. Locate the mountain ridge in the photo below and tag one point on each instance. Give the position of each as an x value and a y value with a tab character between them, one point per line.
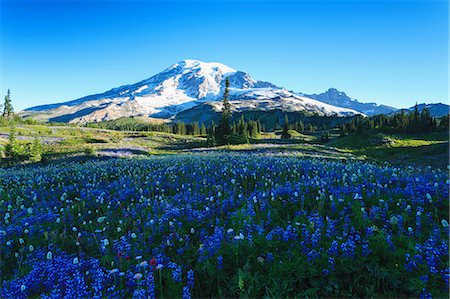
179	87
190	83
340	99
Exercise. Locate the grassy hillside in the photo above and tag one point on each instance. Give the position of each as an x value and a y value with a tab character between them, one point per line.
65	141
61	141
423	149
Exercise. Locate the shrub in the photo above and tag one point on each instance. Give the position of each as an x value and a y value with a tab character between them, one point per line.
90	151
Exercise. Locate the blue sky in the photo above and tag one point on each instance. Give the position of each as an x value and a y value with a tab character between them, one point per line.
389	52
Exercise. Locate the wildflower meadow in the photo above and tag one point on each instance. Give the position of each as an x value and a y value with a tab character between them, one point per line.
223	225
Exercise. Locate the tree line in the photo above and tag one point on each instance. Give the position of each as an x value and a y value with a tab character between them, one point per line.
411	122
135	125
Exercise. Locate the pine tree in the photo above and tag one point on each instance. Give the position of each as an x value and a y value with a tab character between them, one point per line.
301	126
8	108
426	120
11	150
444	123
415	118
285	134
242	127
325	137
223	132
196	129
182	128
36	150
211	138
203	130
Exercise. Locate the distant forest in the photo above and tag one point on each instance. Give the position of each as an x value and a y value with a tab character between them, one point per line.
253	123
412	122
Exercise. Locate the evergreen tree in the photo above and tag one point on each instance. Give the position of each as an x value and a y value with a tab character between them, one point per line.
252	129
196	129
444	123
223	132
414	118
7	107
426	120
325	137
182	128
211	138
300	126
285	134
11	148
36	150
242	127
203	130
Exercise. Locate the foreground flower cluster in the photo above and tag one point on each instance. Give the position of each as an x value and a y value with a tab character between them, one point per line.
223	226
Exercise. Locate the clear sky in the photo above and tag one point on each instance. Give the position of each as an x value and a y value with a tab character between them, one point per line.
388	52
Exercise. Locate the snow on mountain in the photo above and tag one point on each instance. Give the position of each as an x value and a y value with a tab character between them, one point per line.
270	99
338	98
182	86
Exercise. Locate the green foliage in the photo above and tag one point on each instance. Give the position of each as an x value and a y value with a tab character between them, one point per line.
90	151
236	133
203	130
8	110
223	131
36	150
399	149
179	128
12	148
285	134
137	125
325	137
414	122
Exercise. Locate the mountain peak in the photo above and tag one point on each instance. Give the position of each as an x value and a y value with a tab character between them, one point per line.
335	92
180	87
339	98
193	64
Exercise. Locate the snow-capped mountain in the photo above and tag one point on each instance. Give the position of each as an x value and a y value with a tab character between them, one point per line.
338	98
182	86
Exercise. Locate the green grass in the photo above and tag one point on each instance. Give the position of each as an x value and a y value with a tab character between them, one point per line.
70	140
424	149
303	137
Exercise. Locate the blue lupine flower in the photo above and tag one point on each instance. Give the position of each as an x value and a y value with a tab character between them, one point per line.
186	293
190	279
176	274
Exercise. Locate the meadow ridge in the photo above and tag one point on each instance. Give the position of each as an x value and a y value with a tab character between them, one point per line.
223	225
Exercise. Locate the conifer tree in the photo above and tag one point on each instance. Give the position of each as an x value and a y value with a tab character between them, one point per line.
7	107
36	150
203	130
285	134
196	129
223	131
11	146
